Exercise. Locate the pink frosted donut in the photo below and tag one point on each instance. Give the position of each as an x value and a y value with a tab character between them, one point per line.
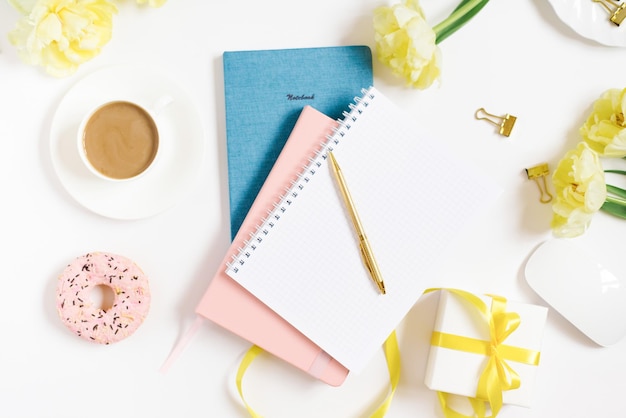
87	320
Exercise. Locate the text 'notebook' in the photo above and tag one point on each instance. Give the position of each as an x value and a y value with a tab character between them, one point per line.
304	260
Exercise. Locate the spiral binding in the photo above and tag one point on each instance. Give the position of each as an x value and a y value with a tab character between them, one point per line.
304	177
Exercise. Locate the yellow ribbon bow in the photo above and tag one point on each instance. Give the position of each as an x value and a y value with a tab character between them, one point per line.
497	376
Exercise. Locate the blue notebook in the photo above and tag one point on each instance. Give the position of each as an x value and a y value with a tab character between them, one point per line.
265	92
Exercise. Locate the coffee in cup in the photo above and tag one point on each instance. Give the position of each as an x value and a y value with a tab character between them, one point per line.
119	140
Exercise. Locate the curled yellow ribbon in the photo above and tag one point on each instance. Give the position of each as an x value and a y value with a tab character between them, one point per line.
250	355
497	376
392	355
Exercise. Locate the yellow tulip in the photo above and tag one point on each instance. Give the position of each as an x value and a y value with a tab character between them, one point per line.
604	129
59	35
580	191
406	43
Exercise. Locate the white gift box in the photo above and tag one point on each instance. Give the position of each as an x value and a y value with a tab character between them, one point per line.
457	371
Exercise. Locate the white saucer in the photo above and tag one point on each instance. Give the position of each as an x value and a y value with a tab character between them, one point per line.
580	288
590	20
181	147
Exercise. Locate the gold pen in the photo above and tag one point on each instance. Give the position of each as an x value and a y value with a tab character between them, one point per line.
364	245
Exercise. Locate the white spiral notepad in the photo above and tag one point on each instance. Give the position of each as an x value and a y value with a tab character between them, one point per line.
304	261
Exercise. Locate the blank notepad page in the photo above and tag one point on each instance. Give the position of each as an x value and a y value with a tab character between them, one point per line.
304	261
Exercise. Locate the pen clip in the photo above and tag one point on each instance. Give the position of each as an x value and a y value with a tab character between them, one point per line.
370	265
366	259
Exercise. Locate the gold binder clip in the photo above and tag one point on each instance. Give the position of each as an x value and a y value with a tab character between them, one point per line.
536	173
618	14
505	123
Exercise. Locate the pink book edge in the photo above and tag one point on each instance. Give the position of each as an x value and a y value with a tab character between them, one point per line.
229	305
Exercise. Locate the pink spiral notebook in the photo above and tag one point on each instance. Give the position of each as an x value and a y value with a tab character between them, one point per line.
229	305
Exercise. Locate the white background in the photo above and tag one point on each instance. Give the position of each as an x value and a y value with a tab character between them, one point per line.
515	57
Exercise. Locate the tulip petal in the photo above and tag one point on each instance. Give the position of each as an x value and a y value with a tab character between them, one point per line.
604	130
406	43
59	35
580	191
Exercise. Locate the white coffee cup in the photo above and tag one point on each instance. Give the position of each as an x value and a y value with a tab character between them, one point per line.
119	140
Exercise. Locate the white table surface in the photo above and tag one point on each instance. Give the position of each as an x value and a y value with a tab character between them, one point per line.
515	57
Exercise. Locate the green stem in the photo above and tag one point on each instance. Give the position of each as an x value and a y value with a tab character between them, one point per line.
616	171
614	208
616	191
616	200
616	204
461	15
